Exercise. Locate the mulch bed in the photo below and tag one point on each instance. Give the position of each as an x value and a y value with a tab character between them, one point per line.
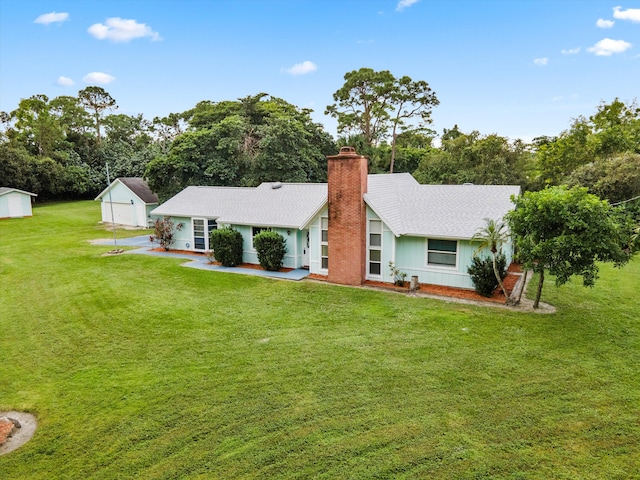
513	275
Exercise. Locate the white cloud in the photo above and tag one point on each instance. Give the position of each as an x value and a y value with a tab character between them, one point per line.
99	78
65	81
602	23
53	17
541	62
632	14
119	29
402	4
302	68
571	51
606	47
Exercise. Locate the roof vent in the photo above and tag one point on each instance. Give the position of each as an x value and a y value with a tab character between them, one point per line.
276	185
467	183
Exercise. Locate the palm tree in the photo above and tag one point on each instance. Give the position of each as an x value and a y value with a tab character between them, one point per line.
492	236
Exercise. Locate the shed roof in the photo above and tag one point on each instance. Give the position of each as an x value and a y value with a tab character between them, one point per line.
5	190
137	185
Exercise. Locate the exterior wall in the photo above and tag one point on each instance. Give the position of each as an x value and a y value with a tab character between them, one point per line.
347	183
292	259
411	258
388	250
315	263
128	208
15	205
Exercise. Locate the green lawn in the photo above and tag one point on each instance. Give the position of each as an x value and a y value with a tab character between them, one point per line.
137	367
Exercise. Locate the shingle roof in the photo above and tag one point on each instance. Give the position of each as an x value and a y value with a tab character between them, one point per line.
5	190
138	186
208	202
288	205
408	208
442	211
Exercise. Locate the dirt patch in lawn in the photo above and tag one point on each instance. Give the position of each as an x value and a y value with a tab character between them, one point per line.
16	429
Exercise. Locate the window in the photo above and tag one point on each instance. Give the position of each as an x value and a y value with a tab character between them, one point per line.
200	239
324	243
442	252
256	230
375	247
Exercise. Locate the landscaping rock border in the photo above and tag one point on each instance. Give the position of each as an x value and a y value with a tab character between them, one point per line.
16	429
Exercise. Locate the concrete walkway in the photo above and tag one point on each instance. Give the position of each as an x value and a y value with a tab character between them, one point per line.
200	262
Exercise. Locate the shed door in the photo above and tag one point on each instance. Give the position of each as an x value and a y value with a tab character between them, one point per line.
122	213
15	206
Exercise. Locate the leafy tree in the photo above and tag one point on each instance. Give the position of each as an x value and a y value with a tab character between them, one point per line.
35	126
616	179
492	237
254	139
363	104
613	130
410	100
96	100
474	158
374	103
566	231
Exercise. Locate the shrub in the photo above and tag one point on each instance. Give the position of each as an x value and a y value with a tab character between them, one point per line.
399	277
481	271
163	231
226	244
271	248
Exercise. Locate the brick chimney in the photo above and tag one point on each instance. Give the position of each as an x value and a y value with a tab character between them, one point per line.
347	174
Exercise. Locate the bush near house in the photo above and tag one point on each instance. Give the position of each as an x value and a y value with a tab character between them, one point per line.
226	244
271	248
481	271
163	232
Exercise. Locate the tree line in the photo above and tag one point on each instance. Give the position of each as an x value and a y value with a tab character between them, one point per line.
59	147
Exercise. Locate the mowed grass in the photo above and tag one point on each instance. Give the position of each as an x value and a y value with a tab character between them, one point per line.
137	367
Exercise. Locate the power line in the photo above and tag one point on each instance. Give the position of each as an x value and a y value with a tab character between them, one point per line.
625	201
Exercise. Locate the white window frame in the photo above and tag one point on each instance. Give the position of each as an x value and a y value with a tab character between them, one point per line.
207	231
374	247
440	265
324	243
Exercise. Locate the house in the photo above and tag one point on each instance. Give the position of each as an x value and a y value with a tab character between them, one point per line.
352	227
131	201
15	203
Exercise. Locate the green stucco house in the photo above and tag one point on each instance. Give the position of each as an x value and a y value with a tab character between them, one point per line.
350	228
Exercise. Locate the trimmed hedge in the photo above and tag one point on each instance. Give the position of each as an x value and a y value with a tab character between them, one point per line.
271	248
483	276
226	244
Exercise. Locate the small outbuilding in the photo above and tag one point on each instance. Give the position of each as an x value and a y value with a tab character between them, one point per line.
130	199
15	203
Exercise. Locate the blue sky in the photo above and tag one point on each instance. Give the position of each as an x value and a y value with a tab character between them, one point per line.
517	68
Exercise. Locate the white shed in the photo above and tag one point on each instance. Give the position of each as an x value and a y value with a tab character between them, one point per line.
131	201
15	203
